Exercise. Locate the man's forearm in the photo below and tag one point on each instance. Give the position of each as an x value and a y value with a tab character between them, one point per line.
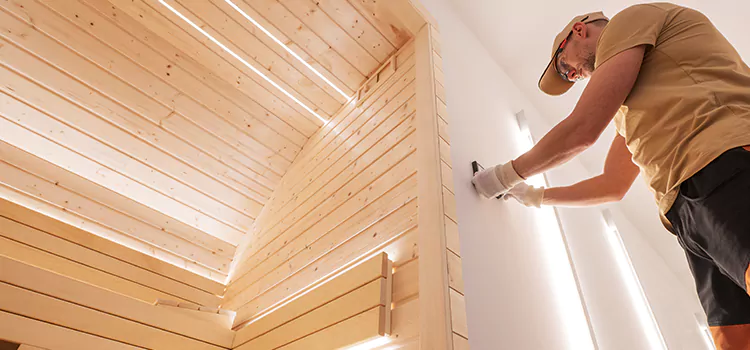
593	191
561	144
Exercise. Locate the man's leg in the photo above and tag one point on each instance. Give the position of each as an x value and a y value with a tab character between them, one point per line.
712	219
726	304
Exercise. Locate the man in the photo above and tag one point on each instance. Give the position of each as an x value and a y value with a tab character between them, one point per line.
679	94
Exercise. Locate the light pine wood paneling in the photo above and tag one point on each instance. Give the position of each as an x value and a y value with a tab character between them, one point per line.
75	317
452	239
345	296
20	329
458	314
72	195
38	280
370	270
358	329
356	191
460	343
71	251
350	130
106	247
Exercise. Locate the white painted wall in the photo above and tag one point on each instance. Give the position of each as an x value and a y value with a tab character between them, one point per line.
518	284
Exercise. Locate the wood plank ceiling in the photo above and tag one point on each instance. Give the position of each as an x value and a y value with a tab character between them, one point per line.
166	125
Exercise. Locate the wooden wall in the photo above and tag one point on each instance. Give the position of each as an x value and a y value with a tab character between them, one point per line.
350	194
36	239
441	288
45	309
65	288
453	247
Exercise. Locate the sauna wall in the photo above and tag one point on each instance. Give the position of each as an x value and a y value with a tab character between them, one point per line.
350	194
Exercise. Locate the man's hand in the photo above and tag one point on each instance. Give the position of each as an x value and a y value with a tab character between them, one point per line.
496	181
529	196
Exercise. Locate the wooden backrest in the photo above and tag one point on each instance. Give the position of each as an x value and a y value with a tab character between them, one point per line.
350	309
39	240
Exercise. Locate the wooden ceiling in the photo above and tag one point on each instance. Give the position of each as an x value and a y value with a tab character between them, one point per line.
166	125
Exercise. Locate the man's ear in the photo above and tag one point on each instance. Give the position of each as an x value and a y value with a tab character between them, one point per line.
580	29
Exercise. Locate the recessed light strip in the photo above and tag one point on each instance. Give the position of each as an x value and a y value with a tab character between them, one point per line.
248	65
291	52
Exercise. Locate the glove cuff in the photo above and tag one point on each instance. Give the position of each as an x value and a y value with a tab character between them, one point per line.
508	175
535	196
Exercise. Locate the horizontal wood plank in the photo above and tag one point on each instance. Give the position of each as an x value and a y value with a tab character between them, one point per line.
455	272
357	330
358	204
458	314
406	282
447	176
20	329
353	23
445	152
30	255
449	201
35	279
451	236
67	199
107	247
71	251
460	343
337	310
52	310
227	101
35	144
369	270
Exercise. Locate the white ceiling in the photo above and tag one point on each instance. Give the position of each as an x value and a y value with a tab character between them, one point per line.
524	55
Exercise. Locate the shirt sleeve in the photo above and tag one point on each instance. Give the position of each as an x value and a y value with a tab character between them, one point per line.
634	26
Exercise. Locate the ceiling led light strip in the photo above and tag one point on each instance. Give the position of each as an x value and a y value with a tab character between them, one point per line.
290	51
248	65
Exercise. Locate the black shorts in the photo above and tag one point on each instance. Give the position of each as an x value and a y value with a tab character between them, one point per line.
711	218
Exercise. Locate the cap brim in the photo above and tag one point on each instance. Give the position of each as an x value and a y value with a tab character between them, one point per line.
551	83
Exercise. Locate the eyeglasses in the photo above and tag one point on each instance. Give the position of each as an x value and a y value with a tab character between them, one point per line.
565	75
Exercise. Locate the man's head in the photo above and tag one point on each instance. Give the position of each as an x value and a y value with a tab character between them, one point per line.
573	53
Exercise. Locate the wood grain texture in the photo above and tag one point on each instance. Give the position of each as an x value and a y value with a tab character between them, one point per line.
20	329
360	275
56	246
435	312
361	201
81	237
340	309
52	310
35	279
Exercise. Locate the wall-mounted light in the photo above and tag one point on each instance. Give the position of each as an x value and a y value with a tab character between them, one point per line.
290	51
242	60
634	287
557	255
700	320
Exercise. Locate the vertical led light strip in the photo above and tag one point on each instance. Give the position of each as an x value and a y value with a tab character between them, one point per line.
569	297
290	51
635	289
248	65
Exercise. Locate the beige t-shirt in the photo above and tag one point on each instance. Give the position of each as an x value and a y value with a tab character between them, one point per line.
691	101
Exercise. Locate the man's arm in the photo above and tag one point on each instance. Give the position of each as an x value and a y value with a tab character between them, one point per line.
609	86
619	174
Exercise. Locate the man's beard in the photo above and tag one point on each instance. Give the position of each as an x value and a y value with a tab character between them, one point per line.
590	62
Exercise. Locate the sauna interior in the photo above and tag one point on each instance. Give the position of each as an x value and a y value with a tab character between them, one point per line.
226	174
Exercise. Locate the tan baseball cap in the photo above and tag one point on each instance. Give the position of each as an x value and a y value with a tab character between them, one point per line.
551	82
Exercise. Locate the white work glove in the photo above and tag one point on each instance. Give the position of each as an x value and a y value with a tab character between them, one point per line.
496	181
529	196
